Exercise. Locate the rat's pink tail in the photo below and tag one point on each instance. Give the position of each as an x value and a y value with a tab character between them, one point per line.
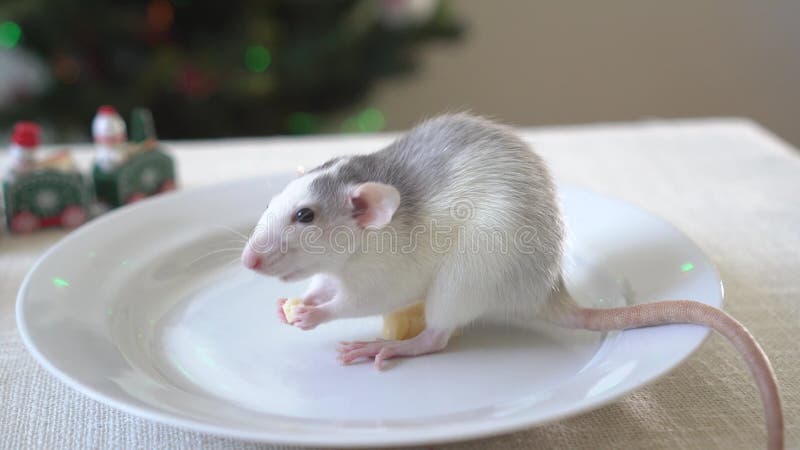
689	312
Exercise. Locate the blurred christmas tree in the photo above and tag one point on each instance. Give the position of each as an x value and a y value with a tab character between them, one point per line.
211	69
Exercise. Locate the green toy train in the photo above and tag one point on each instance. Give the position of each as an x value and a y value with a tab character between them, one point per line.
46	198
136	169
144	174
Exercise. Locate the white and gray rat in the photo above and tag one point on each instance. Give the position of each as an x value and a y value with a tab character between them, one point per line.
459	212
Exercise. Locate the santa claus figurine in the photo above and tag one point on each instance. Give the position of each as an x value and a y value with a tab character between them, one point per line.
108	131
24	142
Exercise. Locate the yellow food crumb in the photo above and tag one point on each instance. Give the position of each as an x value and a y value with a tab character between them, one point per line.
289	306
404	323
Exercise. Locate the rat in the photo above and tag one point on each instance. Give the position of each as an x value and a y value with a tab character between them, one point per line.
462	213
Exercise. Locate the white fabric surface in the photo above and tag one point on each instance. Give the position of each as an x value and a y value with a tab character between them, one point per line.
728	184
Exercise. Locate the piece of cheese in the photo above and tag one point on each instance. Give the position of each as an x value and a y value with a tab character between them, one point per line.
289	306
404	323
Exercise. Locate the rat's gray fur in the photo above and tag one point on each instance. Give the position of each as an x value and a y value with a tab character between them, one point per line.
422	162
468	159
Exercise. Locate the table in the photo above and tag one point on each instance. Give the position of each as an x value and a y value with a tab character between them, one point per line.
729	184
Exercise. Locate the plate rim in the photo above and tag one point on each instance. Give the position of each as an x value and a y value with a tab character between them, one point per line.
437	435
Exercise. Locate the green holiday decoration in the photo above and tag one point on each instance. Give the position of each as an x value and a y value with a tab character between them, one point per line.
45	198
141	170
39	191
143	175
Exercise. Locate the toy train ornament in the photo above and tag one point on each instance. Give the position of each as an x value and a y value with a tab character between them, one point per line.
125	172
41	192
50	191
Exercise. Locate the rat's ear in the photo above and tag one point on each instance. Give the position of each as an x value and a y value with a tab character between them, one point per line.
374	204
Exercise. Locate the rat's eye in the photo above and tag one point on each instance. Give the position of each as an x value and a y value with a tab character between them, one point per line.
304	215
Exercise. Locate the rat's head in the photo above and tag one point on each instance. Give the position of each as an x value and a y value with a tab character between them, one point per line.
315	224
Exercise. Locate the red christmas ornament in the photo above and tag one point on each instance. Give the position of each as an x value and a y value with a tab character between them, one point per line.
160	15
106	109
194	83
26	134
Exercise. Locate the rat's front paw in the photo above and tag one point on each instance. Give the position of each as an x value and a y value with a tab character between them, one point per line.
281	312
307	317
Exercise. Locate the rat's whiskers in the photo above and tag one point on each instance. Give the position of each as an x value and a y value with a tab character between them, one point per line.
227	228
214	252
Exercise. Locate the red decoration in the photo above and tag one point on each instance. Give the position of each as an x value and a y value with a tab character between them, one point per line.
166	186
194	83
26	134
135	197
24	222
160	15
106	109
72	216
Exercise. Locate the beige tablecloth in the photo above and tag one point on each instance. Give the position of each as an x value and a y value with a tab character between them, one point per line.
728	184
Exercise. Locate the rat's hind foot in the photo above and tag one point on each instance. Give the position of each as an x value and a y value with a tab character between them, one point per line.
429	341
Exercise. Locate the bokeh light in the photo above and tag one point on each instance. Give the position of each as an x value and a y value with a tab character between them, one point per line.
350	125
160	15
66	69
257	58
685	267
10	34
371	120
302	123
367	121
60	282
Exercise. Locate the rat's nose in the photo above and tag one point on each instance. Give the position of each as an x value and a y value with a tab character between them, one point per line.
251	260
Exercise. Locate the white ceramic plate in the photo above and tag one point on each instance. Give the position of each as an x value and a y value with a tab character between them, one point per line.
137	311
